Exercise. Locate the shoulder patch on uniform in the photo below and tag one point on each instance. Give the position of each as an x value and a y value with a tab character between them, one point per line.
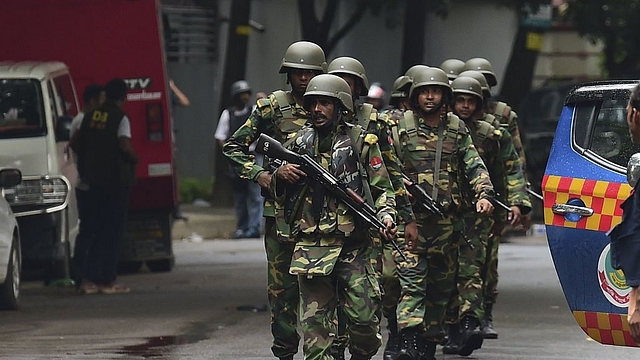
375	162
371	139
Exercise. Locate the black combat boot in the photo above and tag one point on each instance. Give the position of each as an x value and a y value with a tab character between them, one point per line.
429	351
470	335
452	346
487	323
393	343
411	344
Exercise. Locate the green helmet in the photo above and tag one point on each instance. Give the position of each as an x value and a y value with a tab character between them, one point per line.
332	86
349	65
486	89
303	55
411	72
430	76
400	87
467	85
484	66
452	67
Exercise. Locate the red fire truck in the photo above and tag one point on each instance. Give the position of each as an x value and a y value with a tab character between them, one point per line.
98	41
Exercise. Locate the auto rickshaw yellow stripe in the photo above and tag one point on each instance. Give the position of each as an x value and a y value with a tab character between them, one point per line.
605	328
604	197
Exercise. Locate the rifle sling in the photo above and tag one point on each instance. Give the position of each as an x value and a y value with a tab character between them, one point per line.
436	174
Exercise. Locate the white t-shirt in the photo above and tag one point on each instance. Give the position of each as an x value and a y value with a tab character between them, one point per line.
222	131
124	129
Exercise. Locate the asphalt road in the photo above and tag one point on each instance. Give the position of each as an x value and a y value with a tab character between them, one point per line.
211	306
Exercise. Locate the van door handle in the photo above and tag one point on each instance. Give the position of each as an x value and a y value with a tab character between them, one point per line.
563	209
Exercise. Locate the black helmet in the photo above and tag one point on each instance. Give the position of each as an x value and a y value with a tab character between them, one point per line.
303	55
240	87
349	65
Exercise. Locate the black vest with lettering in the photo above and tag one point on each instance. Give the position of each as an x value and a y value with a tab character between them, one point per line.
236	121
100	160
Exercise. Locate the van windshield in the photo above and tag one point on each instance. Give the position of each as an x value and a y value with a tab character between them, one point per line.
21	108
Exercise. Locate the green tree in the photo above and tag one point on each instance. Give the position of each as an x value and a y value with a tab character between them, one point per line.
615	23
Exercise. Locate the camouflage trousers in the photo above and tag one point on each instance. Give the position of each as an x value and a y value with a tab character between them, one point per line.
468	298
353	284
490	274
390	282
428	277
283	293
341	342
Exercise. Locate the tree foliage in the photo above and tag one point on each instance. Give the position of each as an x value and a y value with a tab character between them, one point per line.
615	23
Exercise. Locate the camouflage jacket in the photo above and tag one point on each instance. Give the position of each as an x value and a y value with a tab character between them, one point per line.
498	153
272	118
316	213
508	119
460	163
378	124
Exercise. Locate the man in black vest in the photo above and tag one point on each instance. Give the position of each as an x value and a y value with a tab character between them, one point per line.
246	193
106	162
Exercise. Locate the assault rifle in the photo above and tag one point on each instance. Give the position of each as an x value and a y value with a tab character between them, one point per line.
500	204
533	193
422	197
273	149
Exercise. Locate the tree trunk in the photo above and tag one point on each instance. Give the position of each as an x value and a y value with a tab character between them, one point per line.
414	35
519	74
235	64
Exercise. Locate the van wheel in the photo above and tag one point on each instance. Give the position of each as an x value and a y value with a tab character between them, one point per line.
10	289
163	265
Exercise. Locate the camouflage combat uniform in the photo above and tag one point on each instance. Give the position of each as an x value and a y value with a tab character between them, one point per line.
507	119
280	122
496	150
428	277
332	252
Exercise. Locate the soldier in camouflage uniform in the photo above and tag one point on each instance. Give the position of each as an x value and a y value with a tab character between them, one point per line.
435	148
508	120
390	282
365	115
496	150
452	67
280	116
332	251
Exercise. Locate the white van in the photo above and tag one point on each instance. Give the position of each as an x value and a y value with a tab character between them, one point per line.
37	103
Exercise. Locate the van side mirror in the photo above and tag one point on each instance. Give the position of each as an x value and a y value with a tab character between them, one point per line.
63	128
10	177
633	169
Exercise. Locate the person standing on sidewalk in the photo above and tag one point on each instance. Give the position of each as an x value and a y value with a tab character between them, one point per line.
106	162
246	193
92	97
280	115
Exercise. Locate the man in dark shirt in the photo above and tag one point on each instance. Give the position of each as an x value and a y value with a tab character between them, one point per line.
106	162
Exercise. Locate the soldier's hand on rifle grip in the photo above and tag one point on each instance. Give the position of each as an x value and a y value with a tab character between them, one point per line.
484	206
264	179
290	173
390	231
411	235
408	183
515	216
